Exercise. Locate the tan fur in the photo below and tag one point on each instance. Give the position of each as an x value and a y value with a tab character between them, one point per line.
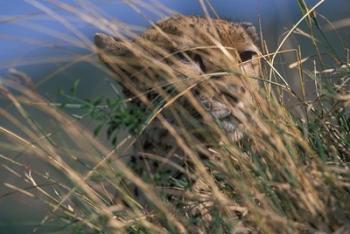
179	48
185	33
208	46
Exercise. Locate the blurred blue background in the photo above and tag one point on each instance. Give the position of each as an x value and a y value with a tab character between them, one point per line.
39	37
33	31
28	33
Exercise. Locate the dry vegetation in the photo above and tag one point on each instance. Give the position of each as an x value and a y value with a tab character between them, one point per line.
289	174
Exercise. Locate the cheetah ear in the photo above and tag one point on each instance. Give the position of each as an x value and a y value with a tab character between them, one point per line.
251	31
110	44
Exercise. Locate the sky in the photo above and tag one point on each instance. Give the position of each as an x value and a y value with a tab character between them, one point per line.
26	29
32	29
25	25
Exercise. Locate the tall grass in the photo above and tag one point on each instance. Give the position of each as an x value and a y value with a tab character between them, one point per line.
289	174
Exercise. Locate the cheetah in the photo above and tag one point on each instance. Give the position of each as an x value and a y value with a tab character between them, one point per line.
193	46
195	67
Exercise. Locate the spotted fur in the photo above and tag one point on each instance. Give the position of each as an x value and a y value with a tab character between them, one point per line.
192	46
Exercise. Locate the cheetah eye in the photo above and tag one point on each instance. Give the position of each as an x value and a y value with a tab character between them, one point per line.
247	55
198	59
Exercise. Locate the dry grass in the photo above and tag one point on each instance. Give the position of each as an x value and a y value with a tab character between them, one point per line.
289	174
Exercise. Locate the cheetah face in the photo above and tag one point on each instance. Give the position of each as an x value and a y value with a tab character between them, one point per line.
218	61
